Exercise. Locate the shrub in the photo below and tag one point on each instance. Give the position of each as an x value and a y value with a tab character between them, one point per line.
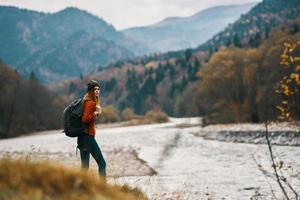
127	114
156	116
109	114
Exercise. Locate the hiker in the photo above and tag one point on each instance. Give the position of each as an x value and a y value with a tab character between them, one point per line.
87	143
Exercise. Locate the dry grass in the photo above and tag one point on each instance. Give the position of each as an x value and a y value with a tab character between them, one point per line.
187	125
24	179
151	117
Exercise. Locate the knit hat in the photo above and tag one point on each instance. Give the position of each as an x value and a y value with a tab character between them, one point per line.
91	84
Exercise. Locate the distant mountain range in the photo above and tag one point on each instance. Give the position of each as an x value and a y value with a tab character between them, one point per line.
59	45
72	42
186	32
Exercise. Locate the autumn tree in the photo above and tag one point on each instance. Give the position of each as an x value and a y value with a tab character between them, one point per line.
26	105
289	85
237	85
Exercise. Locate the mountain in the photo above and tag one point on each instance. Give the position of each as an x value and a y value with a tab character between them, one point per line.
169	81
176	33
254	26
60	45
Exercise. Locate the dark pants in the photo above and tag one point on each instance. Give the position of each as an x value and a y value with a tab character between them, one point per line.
88	145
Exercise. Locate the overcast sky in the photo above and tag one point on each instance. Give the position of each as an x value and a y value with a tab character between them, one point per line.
126	13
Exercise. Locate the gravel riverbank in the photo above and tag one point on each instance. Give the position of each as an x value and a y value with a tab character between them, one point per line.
279	133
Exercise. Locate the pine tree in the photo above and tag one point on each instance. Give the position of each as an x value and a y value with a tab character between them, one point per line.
295	29
159	74
188	53
172	72
183	83
236	41
32	76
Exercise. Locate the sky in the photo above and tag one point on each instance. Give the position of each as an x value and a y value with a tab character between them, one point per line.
126	13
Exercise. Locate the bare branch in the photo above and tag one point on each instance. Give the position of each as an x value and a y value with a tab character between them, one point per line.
273	162
264	174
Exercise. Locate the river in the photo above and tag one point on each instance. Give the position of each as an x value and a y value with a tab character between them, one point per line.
169	161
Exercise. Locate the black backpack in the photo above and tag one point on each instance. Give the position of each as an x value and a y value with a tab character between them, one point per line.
72	114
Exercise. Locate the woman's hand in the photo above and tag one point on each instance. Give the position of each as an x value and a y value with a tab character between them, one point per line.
98	109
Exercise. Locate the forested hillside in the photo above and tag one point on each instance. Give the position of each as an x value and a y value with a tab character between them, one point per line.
252	28
64	44
26	105
228	83
238	85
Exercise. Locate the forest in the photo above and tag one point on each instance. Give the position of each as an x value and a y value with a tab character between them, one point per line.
26	105
230	84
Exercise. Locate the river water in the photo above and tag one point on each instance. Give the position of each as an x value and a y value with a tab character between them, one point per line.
186	166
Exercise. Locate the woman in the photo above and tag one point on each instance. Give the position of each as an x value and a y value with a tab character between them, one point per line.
86	142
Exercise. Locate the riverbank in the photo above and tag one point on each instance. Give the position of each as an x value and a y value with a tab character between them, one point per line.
170	160
279	133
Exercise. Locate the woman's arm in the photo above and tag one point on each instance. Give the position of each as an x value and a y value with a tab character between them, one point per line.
89	114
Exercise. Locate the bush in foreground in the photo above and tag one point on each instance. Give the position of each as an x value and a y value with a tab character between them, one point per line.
22	179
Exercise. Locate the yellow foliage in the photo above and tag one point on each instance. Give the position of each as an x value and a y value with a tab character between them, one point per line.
278	91
296	59
289	83
280	108
247	78
286	91
285	63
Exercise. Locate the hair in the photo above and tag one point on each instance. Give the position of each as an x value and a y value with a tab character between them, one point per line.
92	96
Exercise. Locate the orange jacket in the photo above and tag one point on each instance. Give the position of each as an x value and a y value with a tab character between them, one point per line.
88	116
